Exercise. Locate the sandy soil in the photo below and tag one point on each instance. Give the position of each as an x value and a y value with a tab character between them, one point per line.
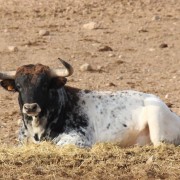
135	30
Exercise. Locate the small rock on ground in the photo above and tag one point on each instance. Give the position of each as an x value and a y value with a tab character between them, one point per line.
110	84
105	48
90	26
12	48
156	18
86	67
111	55
43	32
119	61
163	45
99	68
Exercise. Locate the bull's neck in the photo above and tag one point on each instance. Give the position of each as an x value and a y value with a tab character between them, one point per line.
56	110
66	115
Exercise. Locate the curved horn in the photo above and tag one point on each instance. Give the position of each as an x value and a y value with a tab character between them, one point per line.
7	74
66	71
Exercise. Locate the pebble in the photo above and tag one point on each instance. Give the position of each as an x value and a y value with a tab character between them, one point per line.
166	96
5	30
120	56
71	79
151	49
163	45
156	18
90	26
111	55
170	105
110	84
96	44
86	67
93	55
43	32
99	68
119	61
119	78
142	30
12	48
105	48
2	125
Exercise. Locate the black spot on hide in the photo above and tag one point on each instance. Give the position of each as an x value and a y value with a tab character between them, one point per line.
83	102
124	125
108	126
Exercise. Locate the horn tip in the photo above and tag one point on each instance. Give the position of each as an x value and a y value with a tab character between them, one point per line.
63	62
67	65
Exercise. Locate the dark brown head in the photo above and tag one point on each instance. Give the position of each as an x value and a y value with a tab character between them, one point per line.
33	83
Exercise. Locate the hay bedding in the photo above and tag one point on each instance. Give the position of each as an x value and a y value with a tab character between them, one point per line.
103	161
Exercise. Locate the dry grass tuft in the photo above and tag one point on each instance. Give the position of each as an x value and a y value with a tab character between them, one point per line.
103	161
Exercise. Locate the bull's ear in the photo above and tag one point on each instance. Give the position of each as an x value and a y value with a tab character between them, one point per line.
57	82
8	84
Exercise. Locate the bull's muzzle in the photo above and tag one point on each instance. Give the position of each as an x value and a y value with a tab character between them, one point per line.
32	109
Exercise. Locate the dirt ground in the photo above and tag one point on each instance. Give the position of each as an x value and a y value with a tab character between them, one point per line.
144	37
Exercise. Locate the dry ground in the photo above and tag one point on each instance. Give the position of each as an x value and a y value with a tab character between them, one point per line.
135	30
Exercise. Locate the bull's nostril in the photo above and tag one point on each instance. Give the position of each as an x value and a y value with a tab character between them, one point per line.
26	107
34	107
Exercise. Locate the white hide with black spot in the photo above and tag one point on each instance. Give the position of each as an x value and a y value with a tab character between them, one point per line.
34	130
126	117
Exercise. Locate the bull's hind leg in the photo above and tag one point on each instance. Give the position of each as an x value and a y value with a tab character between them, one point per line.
164	125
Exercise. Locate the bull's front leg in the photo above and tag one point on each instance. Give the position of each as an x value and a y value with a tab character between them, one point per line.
74	138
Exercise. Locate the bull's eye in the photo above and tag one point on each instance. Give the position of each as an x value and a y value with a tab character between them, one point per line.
18	87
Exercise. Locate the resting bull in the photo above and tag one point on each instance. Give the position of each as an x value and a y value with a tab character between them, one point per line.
66	115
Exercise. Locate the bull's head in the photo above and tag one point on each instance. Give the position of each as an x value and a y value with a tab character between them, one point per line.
33	83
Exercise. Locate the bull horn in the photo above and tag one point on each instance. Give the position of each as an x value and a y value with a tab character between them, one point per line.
66	71
7	74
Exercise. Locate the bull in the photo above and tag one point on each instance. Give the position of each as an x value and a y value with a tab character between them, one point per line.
64	115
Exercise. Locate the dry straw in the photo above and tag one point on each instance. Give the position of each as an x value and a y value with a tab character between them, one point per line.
102	161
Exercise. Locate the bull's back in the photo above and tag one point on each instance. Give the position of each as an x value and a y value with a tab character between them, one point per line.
114	116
